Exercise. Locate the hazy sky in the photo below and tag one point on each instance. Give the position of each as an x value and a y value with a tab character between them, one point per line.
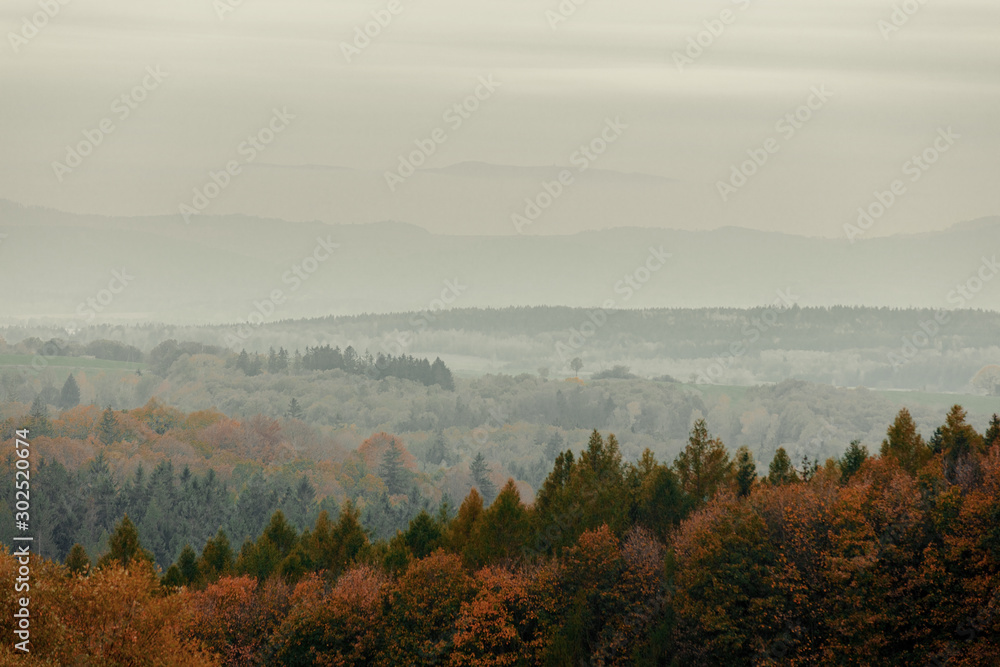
890	94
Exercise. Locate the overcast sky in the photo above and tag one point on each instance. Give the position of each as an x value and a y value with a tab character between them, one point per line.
891	93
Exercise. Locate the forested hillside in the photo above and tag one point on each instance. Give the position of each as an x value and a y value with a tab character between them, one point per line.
916	349
887	558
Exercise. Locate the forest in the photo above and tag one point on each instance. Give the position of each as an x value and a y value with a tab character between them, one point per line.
887	557
498	519
890	348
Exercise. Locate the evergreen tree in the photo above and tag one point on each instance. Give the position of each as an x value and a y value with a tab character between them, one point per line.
704	465
255	366
78	561
69	397
480	477
554	445
38	418
243	361
852	460
502	532
781	470
746	471
904	445
438	451
217	557
959	439
187	565
440	375
992	436
124	547
107	428
392	471
294	410
423	536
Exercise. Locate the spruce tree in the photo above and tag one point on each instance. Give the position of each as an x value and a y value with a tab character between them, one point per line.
480	476
392	471
69	397
781	471
107	428
124	547
746	471
78	561
38	418
993	432
852	460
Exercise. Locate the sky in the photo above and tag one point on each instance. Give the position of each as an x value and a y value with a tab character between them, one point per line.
684	105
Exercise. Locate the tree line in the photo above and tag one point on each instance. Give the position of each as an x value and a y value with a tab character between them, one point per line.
887	558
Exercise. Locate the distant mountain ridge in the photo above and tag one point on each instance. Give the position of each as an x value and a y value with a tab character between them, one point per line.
217	268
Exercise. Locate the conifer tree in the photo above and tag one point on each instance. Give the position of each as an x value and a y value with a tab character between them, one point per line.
69	397
781	470
480	477
746	471
124	547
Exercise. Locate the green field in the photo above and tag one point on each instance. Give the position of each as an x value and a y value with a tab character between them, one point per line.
61	367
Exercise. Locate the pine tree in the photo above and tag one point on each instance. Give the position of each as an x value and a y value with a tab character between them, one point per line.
254	367
69	397
904	445
124	547
392	471
217	557
38	418
187	563
853	459
440	375
992	436
746	471
294	409
107	428
480	477
958	439
704	465
243	361
438	451
781	471
78	561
